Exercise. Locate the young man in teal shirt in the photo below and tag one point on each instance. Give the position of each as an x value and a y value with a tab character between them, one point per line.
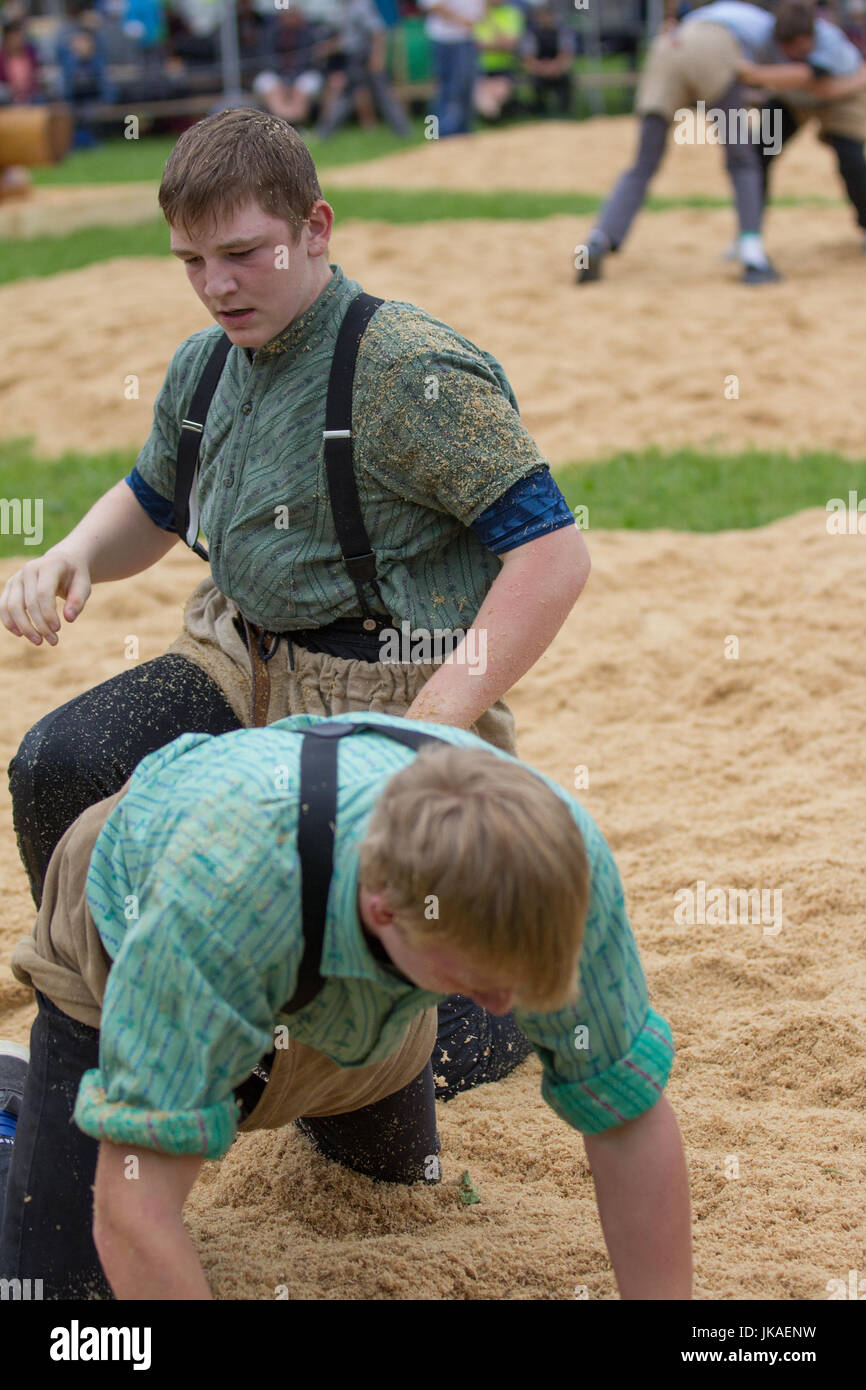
456	871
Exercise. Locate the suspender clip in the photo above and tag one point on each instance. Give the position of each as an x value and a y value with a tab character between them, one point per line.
361	567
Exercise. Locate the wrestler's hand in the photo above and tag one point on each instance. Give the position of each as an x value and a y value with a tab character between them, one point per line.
115	540
29	602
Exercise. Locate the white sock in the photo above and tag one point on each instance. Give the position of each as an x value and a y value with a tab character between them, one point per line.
751	250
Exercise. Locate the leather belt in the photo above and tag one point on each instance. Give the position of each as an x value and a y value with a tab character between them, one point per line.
262	647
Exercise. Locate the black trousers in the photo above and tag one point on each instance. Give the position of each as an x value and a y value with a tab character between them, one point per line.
46	1177
849	157
86	749
560	88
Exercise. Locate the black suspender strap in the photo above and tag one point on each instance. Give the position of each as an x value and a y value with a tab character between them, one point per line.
357	555
186	515
317	818
352	535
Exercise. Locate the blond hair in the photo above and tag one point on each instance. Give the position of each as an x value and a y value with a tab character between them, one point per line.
222	162
499	854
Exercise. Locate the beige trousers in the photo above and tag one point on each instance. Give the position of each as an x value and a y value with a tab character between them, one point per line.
696	62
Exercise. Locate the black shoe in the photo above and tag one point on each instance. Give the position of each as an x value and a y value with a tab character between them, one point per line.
596	253
760	275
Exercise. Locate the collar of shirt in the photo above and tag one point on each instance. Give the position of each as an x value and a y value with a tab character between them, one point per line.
348	952
318	322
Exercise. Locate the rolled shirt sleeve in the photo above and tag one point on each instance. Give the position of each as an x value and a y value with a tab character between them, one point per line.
531	508
607	1058
159	509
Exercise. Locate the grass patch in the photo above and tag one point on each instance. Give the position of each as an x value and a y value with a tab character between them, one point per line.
49	255
68	486
437	205
693	490
684	490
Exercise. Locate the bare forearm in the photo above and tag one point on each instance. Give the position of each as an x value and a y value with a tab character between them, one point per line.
117	538
527	604
138	1228
641	1184
838	88
151	1263
777	77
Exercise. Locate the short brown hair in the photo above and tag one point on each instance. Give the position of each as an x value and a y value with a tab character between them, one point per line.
499	853
226	159
794	20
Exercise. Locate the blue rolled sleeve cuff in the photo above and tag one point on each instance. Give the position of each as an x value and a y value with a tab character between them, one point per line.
159	509
531	508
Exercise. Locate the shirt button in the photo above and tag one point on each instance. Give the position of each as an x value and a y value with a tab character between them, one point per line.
247	407
229	479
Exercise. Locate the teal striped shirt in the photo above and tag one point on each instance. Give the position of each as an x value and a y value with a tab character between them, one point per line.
194	885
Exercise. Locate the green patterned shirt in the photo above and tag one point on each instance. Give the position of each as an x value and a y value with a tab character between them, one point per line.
437	440
205	942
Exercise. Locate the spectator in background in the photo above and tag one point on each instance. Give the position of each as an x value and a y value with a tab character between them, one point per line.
20	76
144	25
291	87
252	33
144	21
548	49
390	12
363	83
455	60
498	36
82	59
188	46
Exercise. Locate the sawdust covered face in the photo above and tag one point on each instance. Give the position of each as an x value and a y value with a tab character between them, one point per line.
251	274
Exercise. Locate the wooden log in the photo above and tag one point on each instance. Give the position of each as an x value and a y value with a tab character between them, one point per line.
34	135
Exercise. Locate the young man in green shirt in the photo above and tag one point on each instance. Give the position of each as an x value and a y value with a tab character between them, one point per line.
466	529
454	869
